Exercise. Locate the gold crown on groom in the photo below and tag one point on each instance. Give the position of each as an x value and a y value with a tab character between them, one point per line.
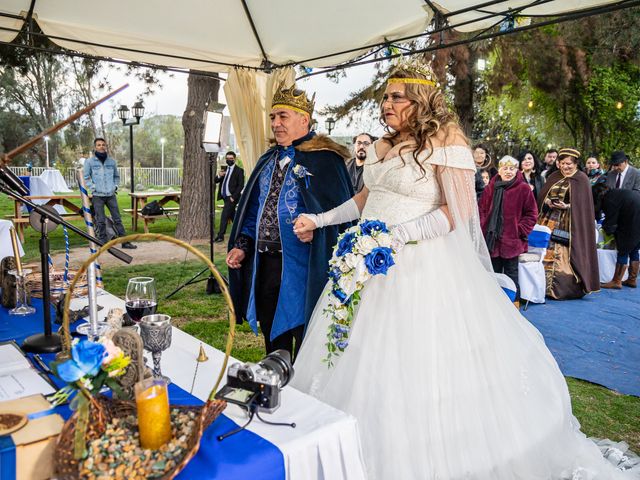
293	99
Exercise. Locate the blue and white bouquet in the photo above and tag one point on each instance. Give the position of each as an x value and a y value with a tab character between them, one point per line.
361	252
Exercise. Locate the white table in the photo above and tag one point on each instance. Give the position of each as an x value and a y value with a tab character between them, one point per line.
54	179
6	249
607	265
325	443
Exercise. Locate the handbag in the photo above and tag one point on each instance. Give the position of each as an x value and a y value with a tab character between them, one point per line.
560	236
152	209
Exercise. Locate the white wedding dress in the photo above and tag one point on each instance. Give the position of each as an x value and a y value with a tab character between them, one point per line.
447	380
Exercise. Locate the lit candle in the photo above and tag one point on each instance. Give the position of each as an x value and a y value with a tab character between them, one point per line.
16	250
154	421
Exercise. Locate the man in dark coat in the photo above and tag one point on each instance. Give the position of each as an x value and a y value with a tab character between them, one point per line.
622	175
508	213
355	165
275	278
621	209
231	182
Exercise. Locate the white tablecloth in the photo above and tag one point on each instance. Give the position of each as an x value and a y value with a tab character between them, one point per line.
607	265
6	249
325	443
39	188
54	179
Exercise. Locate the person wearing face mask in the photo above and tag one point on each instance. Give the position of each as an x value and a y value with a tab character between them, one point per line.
231	181
566	207
355	165
508	213
101	178
275	278
594	172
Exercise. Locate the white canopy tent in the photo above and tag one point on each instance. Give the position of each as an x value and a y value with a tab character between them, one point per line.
250	39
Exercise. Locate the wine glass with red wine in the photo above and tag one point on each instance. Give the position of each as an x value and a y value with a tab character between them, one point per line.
141	298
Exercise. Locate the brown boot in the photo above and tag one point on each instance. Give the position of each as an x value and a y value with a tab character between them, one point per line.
616	281
633	274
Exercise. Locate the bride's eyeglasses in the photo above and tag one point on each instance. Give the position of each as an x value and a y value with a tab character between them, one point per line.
395	98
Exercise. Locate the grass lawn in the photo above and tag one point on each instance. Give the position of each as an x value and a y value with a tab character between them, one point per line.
601	412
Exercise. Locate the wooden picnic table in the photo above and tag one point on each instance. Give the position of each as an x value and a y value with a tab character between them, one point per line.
64	200
140	199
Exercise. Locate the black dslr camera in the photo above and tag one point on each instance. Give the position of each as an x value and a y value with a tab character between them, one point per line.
257	385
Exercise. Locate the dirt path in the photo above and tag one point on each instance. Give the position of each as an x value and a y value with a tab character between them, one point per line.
147	252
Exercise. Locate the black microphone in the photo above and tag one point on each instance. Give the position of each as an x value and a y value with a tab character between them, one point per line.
12	181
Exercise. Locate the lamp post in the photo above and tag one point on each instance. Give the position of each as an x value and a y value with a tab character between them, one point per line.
162	141
46	143
329	123
123	114
314	123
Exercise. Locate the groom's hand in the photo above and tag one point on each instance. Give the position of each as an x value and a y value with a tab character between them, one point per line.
235	258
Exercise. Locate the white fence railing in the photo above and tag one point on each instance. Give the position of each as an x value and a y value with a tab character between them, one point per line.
143	176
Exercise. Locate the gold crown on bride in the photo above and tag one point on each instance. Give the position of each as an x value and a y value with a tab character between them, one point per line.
293	99
422	73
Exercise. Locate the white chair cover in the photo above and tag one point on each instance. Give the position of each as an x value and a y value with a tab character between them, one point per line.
531	272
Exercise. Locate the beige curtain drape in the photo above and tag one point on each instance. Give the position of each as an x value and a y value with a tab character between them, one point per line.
249	95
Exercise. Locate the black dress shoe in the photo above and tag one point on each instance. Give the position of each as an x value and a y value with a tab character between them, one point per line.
129	245
218	239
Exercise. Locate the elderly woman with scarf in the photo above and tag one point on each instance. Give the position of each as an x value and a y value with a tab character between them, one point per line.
566	207
508	214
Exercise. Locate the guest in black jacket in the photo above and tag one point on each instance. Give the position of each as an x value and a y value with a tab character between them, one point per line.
531	169
232	183
621	209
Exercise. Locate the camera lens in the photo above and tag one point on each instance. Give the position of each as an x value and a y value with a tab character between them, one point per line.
279	362
245	374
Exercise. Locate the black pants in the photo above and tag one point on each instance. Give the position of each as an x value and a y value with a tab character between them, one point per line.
100	218
508	266
228	212
267	292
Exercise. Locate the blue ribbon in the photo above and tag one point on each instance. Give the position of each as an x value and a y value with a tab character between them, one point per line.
286	152
7	457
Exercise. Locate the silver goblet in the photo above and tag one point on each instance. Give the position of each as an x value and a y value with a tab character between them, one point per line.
155	331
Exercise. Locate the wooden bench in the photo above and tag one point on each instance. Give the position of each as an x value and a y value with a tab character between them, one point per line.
21	222
147	219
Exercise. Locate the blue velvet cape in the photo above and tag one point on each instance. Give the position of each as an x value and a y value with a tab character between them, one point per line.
304	266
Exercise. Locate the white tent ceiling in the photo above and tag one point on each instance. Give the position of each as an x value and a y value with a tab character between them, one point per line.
214	35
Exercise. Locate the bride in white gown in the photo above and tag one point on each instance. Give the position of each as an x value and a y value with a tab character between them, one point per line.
445	377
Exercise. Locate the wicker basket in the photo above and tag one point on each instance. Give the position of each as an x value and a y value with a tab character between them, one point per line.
57	284
103	409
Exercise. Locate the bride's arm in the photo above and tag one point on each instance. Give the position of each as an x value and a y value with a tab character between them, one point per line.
347	212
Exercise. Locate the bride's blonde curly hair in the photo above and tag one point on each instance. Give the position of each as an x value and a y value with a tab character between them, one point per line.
427	115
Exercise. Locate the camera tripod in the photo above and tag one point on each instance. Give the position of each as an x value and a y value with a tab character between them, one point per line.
212	283
252	409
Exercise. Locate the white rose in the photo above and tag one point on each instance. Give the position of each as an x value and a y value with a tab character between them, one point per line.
341	313
351	260
362	274
365	244
384	239
347	284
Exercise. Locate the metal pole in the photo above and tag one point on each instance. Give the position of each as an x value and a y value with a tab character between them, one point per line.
131	176
46	142
162	165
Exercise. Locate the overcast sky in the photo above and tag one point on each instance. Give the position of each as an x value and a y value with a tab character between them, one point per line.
172	98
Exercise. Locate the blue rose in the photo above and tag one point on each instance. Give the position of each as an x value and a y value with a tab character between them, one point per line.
379	260
345	244
334	274
368	227
86	359
340	295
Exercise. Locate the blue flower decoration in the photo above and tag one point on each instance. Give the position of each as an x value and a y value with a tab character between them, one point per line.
340	295
341	328
342	345
86	359
345	244
369	227
334	274
379	260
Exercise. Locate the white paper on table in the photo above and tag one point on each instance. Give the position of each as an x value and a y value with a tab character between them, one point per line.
18	378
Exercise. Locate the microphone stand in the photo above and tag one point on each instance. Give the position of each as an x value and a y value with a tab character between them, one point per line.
49	342
212	283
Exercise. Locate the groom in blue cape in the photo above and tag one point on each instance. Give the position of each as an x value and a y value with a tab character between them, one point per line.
275	278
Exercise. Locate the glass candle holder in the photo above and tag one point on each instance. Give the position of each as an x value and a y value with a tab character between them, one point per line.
22	304
154	417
